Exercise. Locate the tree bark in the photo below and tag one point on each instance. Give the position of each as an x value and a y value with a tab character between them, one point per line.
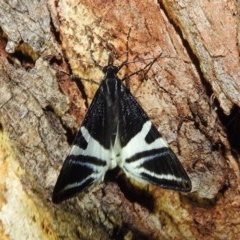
191	94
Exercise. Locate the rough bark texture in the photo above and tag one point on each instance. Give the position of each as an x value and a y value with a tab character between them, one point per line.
191	94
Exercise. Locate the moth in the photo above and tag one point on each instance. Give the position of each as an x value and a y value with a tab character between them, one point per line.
116	131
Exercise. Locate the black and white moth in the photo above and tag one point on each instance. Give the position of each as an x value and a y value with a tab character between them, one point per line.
117	132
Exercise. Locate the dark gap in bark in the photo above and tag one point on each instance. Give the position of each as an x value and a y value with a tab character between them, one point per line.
64	75
120	233
132	193
204	203
24	57
225	186
3	40
69	73
232	126
191	54
50	114
81	88
231	122
48	109
55	32
53	60
70	135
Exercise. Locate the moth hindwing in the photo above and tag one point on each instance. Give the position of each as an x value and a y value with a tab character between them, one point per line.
117	132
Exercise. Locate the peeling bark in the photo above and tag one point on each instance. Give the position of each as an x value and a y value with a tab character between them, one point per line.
190	94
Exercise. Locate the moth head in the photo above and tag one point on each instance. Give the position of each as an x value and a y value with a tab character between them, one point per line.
110	69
